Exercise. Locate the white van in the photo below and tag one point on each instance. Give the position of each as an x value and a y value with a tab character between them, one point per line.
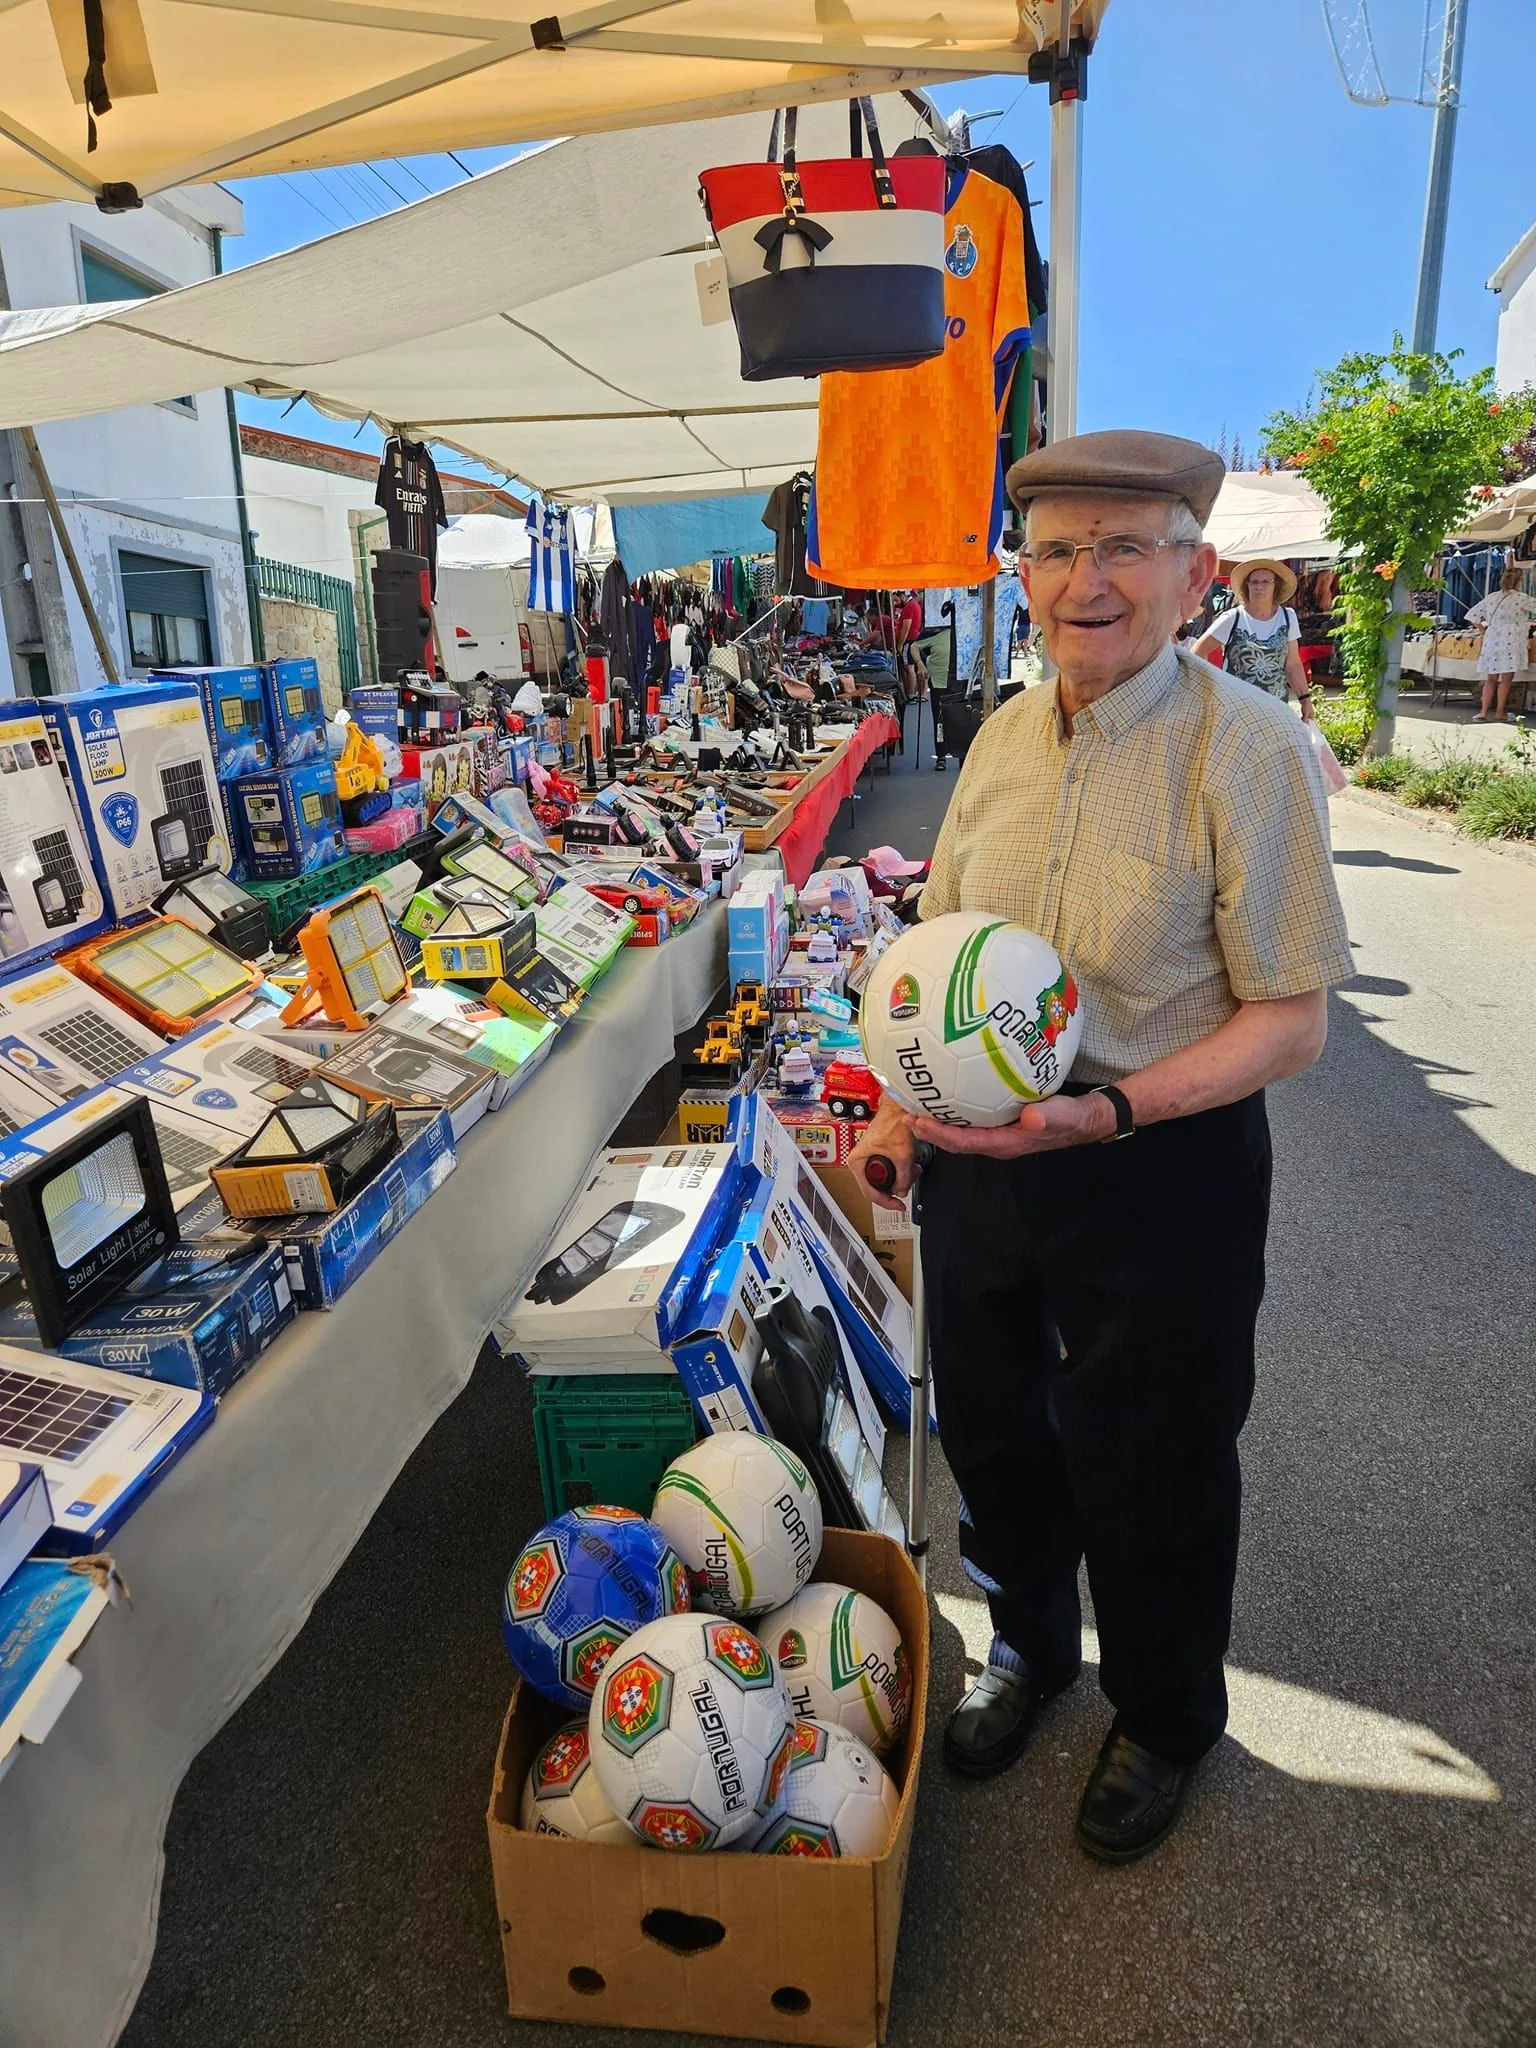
485	628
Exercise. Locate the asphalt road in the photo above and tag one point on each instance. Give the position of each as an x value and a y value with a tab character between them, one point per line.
1359	1862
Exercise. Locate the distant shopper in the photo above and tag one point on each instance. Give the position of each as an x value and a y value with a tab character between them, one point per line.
1259	640
1505	616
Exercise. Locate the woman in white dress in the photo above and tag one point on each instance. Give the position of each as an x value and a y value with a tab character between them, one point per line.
1505	616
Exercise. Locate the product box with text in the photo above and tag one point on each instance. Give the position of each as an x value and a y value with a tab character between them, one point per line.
49	894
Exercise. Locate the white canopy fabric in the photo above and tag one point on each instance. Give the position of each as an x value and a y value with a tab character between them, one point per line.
1505	516
543	318
220	88
482	540
1274	514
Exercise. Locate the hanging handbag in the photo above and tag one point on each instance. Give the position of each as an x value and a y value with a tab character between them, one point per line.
832	265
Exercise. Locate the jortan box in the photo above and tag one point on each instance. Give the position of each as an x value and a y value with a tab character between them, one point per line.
772	1948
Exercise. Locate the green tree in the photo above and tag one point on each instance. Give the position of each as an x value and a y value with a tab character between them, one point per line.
1400	448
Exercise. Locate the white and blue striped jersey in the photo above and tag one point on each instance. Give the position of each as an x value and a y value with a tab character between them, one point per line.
551	573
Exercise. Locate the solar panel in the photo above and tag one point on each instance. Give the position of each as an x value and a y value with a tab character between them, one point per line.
41	1417
58	864
187	1159
184	785
91	1043
268	1065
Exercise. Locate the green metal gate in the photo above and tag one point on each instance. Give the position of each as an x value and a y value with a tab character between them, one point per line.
331	594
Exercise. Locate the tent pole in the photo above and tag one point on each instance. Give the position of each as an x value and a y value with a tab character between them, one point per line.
72	560
1066	253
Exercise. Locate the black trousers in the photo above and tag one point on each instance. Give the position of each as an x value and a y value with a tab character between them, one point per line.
1119	1442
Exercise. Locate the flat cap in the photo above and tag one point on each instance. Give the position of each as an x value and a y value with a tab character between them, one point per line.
1123	461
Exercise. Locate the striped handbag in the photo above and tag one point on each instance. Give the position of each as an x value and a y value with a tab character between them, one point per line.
832	265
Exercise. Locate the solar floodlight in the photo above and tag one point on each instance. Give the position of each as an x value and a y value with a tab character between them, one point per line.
320	1145
88	1217
353	962
211	903
166	972
477	941
482	862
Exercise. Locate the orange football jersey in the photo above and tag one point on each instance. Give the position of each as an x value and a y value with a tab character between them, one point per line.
909	483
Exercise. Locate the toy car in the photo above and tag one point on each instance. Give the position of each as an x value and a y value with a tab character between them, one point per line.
822	951
722	1044
797	1076
631	896
749	1009
851	1091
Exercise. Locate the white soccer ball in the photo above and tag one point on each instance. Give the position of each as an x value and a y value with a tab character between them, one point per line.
561	1794
842	1658
967	1018
839	1800
691	1729
744	1515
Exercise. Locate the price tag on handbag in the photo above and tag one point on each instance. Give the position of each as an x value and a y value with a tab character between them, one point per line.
714	292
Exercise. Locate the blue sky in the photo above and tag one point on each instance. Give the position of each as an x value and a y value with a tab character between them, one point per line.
1243	223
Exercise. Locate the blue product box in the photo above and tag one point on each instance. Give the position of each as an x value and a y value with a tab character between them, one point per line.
295	714
405	794
325	1254
520	756
142	768
235	713
289	819
208	1312
50	894
376	711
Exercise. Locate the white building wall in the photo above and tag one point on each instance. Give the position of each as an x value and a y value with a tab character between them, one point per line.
299	515
1515	361
160	479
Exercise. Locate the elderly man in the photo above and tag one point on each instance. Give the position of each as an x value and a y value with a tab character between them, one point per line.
1094	1271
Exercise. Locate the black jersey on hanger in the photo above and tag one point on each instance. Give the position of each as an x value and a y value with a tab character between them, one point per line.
412	500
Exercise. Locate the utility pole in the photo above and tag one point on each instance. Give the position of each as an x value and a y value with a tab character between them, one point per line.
1426	307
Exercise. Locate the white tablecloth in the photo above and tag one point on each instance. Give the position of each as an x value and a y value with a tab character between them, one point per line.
226	1558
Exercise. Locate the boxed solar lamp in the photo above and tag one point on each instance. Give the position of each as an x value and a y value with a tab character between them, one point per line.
295	713
235	713
49	894
387	1066
59	1038
316	1148
189	1147
223	1075
143	775
290	819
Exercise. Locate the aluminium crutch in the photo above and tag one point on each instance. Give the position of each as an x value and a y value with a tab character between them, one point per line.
881	1174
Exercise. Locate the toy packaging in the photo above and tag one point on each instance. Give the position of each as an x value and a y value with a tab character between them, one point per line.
49	894
200	1317
376	712
624	1261
290	819
143	773
442	771
295	713
235	713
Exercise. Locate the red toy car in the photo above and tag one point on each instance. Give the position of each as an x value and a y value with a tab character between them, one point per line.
632	897
851	1091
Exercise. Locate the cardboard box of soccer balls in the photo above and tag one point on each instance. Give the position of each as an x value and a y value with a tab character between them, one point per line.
775	1948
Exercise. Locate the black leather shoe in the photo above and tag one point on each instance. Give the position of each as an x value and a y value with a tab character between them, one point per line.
1130	1802
990	1727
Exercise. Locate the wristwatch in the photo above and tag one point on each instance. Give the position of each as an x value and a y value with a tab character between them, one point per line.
1125	1117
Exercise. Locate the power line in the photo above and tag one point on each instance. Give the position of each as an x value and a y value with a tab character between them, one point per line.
314	206
411	173
464	167
388	183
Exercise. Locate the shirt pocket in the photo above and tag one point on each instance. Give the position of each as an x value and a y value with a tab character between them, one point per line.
1151	928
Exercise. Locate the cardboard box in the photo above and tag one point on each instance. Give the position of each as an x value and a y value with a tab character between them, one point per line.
144	779
235	713
49	893
825	1139
188	1146
888	1235
806	1949
387	1065
222	1075
295	713
289	820
442	771
580	933
59	1036
375	710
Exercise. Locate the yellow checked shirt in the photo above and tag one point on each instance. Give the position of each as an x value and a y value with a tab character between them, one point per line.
1174	851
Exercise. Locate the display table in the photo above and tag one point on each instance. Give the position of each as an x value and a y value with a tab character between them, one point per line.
800	843
226	1558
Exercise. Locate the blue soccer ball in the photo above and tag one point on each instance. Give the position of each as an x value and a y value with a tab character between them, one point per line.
586	1581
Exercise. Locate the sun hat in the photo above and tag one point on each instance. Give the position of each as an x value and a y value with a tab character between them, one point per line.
1285	579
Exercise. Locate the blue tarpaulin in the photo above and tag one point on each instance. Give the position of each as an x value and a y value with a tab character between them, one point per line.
669	536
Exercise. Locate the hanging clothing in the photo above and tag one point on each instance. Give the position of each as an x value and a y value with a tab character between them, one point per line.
617	620
1505	616
551	573
412	500
909	485
967	621
785	517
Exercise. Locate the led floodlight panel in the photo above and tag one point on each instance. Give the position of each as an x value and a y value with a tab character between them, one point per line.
354	962
88	1217
165	972
210	902
485	863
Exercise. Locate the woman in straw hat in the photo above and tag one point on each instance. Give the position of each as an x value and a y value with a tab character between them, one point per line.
1505	618
1259	639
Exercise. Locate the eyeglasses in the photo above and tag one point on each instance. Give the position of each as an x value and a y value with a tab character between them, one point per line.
1110	551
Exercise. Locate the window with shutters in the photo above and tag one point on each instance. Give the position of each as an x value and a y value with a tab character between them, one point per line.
104	280
167	606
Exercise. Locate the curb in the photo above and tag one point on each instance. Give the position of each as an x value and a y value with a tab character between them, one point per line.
1437	822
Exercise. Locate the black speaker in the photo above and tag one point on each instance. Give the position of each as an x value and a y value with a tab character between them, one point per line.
401	617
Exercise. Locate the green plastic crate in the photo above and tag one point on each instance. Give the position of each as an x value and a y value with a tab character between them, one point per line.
604	1439
289	901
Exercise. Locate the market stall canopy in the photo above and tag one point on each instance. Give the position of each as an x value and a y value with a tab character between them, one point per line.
1505	516
183	90
1276	513
551	326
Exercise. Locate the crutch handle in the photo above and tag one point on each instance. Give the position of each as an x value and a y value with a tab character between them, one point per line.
880	1168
